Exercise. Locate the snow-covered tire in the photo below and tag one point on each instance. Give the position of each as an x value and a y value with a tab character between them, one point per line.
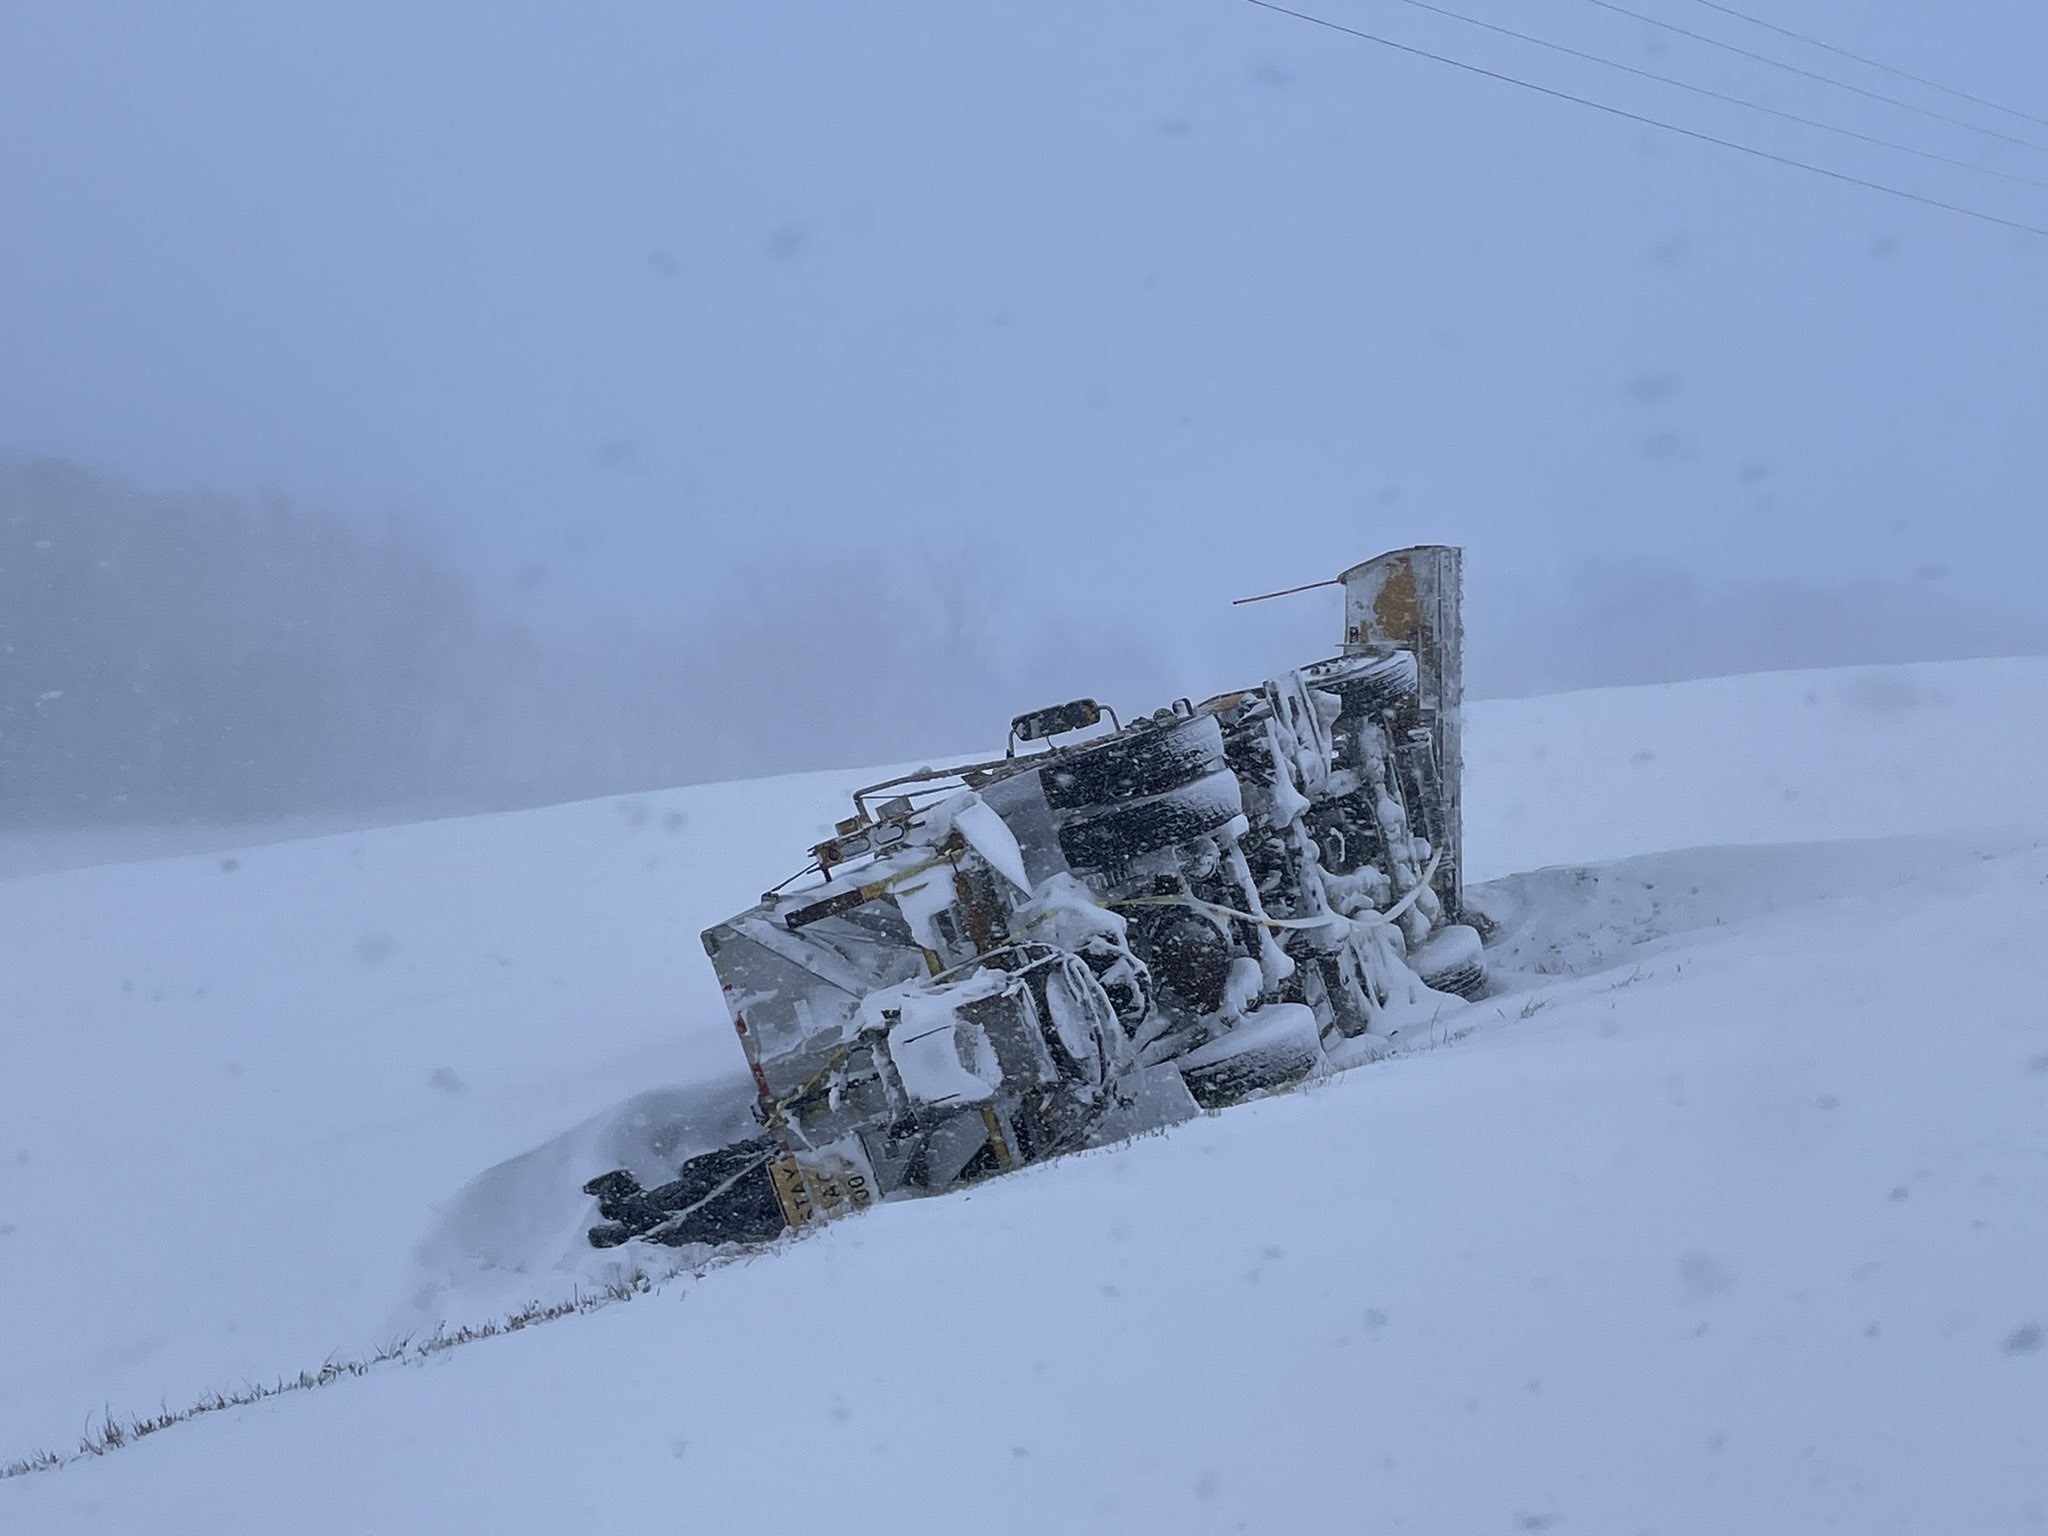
1368	685
1275	1047
1149	758
1116	834
1452	960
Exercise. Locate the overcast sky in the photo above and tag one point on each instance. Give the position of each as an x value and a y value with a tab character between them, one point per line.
1149	303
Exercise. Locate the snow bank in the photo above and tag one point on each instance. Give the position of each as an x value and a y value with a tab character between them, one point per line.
1738	1239
1729	1220
1779	757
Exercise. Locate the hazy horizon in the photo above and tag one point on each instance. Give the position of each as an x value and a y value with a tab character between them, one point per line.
900	366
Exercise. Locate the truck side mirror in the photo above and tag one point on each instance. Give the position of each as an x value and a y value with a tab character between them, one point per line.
1055	720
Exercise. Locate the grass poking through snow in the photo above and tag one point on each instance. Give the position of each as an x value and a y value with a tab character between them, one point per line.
114	1432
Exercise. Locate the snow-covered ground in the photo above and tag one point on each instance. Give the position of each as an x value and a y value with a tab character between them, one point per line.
1727	1216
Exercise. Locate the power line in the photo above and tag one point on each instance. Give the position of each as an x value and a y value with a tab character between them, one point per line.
1878	64
1714	95
1652	122
1840	85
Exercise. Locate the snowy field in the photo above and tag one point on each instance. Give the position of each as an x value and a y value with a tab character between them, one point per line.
1728	1215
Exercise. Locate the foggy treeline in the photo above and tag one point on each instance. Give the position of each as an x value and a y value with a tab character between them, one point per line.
189	658
172	658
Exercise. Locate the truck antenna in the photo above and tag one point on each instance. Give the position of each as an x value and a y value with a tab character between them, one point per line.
1334	581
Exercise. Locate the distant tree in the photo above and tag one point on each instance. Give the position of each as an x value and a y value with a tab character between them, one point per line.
192	657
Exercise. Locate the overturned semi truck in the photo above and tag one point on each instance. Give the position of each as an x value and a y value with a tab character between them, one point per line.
1099	933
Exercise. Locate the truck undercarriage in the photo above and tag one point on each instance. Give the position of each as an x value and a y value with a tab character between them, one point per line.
992	964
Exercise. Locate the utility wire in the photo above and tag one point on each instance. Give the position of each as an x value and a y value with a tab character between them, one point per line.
1651	122
1732	100
1878	64
1840	85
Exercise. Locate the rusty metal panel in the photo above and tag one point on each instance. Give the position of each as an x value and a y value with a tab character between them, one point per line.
1412	599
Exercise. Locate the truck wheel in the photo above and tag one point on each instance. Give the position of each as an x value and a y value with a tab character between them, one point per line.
1452	960
1368	685
1147	758
1116	834
1187	954
1274	1047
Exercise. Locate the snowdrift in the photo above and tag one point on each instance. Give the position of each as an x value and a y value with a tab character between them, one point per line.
1725	1215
